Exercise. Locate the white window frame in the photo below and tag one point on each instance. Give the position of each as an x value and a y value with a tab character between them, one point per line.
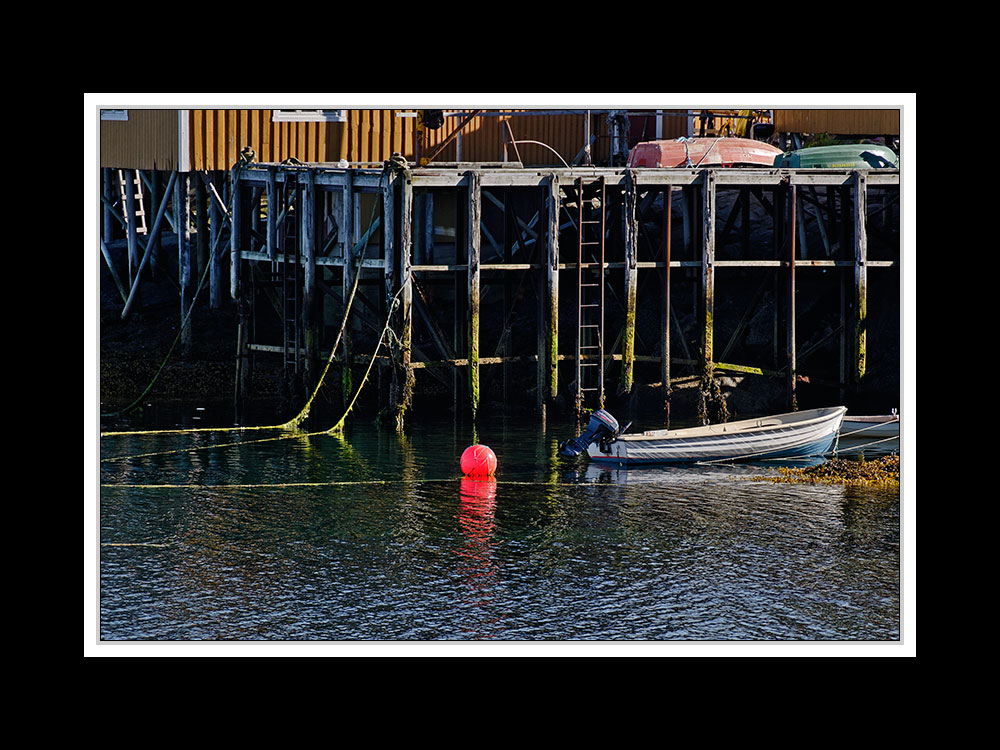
309	115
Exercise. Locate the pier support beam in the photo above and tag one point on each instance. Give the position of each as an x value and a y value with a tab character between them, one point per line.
107	227
201	220
406	279
157	194
473	244
273	204
147	256
631	229
549	360
860	276
182	215
791	368
215	271
235	236
665	337
309	317
707	312
346	233
130	227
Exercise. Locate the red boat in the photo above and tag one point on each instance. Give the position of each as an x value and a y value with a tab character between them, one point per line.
703	152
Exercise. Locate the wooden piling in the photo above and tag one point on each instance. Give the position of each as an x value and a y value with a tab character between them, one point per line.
308	252
631	227
235	236
130	228
273	203
346	231
860	276
215	271
551	360
107	225
182	217
708	278
665	337
473	245
147	256
201	223
791	369
402	392
157	195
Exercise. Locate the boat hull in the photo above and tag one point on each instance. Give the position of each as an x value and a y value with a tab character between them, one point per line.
703	152
799	434
845	156
870	427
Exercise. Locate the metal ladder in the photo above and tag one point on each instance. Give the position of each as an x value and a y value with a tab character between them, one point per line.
140	212
591	202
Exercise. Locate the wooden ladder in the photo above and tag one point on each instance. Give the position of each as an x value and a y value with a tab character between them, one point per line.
591	201
288	273
140	212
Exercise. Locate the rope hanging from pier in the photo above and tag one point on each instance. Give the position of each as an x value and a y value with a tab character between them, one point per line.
187	315
392	166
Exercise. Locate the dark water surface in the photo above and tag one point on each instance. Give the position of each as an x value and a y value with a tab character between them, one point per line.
374	537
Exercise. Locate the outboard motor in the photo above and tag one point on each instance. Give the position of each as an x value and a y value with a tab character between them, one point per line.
602	427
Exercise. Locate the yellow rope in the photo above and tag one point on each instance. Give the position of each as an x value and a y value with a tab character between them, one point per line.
187	316
304	412
288	425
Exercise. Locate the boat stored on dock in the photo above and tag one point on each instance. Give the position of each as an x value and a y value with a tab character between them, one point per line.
704	152
840	156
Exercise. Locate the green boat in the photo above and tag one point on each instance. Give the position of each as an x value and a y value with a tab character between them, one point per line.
842	156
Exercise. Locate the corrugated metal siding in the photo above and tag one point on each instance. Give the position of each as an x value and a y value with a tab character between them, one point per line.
837	121
218	135
370	136
147	140
673	124
483	138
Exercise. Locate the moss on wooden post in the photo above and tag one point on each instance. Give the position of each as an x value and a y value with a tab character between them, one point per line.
860	276
707	284
473	230
631	276
552	273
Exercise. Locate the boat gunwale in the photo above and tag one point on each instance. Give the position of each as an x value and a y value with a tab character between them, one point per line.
750	426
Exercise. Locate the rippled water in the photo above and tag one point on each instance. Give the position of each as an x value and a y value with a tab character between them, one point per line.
375	537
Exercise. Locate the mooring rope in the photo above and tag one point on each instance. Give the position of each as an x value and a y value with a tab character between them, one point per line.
187	315
393	165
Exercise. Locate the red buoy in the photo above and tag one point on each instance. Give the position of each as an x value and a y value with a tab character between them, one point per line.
478	461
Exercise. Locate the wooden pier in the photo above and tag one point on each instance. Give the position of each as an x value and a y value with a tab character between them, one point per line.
597	277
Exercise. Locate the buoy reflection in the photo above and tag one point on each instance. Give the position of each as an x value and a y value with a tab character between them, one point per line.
477	506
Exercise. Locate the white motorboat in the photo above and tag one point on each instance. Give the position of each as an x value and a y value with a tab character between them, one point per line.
812	432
